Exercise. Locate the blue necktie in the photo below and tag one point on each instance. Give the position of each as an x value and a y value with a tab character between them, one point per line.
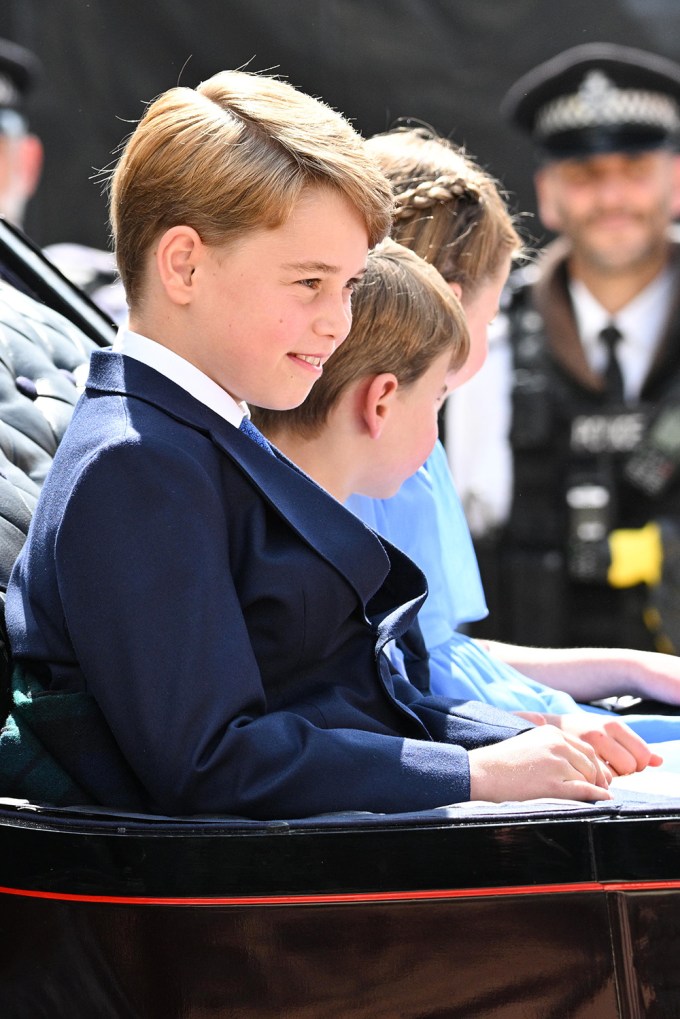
249	429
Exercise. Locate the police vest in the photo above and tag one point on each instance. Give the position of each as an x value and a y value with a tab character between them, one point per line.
579	464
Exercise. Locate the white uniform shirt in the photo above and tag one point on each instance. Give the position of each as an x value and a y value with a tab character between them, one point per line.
640	323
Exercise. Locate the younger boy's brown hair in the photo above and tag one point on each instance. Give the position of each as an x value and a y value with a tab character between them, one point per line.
404	316
230	156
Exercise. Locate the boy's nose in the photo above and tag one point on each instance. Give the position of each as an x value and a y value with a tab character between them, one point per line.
334	318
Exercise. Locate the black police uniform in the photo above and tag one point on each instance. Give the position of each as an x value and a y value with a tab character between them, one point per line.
580	472
583	465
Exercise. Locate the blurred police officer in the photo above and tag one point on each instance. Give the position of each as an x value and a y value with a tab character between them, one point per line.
589	381
21	164
21	152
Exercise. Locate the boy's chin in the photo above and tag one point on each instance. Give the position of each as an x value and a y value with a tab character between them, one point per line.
278	403
381	491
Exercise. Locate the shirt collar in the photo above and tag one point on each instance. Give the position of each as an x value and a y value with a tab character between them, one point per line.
181	372
641	321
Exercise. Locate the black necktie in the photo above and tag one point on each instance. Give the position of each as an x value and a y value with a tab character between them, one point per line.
610	335
249	429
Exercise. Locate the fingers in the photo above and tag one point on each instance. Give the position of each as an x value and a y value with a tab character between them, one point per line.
532	716
614	742
631	753
585	761
541	762
581	790
621	759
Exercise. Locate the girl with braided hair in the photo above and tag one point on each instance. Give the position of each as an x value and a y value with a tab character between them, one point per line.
451	212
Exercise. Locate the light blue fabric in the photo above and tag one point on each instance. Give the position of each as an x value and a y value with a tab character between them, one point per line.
462	668
652	728
425	519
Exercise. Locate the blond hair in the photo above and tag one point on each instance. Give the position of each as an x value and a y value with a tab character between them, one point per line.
448	209
403	317
232	155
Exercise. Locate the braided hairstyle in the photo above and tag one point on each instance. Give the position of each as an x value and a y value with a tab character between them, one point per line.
448	209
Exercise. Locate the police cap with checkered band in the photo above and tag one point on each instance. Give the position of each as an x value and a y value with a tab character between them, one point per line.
19	70
595	98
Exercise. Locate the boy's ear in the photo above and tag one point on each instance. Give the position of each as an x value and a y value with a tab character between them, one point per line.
179	250
377	402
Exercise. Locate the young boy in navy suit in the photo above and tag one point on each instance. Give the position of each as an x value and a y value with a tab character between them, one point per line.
197	626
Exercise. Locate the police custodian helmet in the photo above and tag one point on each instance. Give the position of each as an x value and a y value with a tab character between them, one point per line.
598	97
19	69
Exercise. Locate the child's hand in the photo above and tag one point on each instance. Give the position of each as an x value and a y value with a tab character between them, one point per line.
532	716
542	762
622	749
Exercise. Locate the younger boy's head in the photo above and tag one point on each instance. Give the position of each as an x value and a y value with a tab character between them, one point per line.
408	334
232	156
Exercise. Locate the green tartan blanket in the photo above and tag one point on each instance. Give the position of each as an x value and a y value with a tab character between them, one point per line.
56	748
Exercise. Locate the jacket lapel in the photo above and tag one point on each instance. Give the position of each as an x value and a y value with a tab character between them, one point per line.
322	522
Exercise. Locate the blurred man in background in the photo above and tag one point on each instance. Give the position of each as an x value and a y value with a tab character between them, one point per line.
21	152
574	488
21	165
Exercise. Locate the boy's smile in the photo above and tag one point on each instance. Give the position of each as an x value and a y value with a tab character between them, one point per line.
268	310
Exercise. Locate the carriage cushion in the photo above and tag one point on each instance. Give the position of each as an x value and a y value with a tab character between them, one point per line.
43	356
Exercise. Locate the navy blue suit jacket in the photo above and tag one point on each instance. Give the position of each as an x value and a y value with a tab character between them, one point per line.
228	616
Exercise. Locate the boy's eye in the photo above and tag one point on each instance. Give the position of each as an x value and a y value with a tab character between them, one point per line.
312	284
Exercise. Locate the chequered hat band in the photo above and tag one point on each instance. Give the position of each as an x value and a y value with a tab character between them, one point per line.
604	105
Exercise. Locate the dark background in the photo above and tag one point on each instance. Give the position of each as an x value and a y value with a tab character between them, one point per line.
446	62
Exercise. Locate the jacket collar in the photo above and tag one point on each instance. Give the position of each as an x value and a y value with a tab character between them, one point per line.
322	522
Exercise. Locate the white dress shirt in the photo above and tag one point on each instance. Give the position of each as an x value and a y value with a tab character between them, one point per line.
641	324
182	372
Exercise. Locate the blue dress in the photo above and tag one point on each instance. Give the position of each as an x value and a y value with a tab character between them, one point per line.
426	520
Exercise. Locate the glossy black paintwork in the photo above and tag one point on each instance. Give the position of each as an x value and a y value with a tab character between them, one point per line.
118	859
469	959
646	930
289	861
488	950
639	848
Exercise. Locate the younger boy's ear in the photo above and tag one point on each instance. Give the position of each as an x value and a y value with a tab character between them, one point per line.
178	252
378	400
